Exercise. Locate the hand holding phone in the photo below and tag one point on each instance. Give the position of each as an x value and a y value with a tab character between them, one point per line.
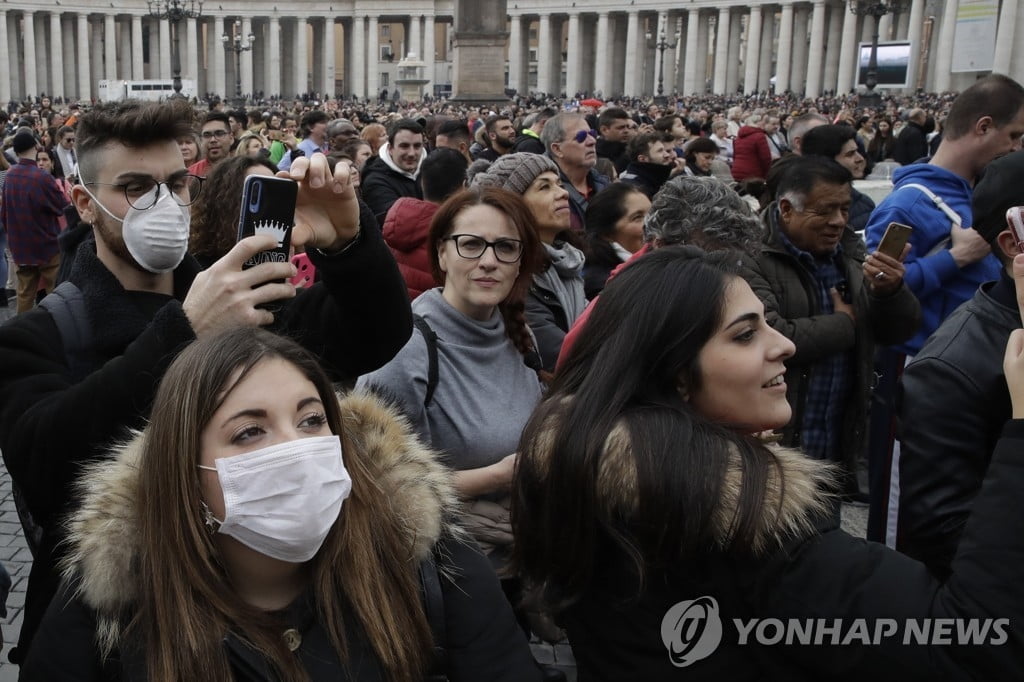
268	207
895	239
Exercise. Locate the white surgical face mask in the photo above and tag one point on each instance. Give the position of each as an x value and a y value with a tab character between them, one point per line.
156	237
283	500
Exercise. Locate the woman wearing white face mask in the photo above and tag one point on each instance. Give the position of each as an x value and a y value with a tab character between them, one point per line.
271	535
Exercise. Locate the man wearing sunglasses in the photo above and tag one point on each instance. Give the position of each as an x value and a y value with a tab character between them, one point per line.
572	145
135	299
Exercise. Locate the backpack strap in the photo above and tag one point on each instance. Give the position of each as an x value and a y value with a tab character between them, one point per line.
430	337
940	204
66	305
433	606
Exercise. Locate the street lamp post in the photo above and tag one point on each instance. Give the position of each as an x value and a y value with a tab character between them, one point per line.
174	11
661	46
238	44
876	9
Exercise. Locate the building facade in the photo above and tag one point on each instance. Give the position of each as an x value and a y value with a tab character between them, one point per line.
607	48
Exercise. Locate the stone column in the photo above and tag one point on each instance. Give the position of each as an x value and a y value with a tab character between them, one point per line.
357	57
753	50
414	36
515	53
815	65
301	66
137	56
784	63
192	52
885	28
67	41
1004	37
602	72
84	83
56	57
481	30
14	57
798	71
165	49
272	63
678	57
732	67
544	54
631	85
573	52
109	48
848	57
246	63
914	27
219	57
5	83
373	59
764	66
832	45
124	50
703	35
721	50
28	33
41	57
330	64
430	53
944	52
96	51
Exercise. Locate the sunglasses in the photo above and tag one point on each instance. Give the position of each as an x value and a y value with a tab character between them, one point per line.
581	136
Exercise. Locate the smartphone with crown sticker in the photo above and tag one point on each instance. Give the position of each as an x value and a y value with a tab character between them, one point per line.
268	207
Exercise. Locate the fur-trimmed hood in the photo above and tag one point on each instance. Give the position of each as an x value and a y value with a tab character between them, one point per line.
797	491
103	534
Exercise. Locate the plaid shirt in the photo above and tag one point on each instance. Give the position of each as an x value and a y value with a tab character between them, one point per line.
830	377
32	203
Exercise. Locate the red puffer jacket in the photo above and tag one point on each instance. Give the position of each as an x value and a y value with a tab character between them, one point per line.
407	232
751	156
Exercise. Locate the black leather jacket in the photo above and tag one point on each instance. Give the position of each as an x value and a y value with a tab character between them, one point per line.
952	408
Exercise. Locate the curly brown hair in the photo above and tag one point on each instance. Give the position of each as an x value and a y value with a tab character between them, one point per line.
214	225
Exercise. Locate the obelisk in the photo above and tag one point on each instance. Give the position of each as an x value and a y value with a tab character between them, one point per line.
479	51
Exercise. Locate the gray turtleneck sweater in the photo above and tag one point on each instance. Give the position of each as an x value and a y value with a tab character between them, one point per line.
485	393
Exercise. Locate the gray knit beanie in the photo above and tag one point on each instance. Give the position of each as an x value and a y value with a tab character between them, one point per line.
514	172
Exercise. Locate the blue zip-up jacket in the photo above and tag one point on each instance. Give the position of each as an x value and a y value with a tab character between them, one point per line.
938	283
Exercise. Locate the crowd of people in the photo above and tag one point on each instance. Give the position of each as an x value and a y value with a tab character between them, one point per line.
549	368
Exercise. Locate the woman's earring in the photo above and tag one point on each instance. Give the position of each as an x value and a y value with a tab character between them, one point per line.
212	524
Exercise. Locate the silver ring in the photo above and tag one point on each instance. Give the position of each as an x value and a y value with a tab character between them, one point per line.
880	275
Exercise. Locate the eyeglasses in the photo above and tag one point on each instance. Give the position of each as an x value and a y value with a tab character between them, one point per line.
142	193
208	134
471	247
581	136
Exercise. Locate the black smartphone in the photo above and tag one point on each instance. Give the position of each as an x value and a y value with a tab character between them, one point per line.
268	207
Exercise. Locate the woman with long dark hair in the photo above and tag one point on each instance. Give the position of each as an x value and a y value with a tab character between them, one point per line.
614	231
662	530
881	145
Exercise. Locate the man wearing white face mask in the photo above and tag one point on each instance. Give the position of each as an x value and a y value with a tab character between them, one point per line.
67	391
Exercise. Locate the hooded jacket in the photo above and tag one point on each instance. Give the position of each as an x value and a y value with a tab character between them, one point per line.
800	570
935	279
482	638
751	156
383	182
407	232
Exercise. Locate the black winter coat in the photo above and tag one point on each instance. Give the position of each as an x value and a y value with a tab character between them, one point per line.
911	144
381	186
54	419
952	406
815	577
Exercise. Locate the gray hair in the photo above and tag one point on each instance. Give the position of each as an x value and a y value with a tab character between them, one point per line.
554	129
704	212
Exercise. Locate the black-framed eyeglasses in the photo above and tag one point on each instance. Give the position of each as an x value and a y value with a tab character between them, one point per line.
472	247
581	136
219	133
142	193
